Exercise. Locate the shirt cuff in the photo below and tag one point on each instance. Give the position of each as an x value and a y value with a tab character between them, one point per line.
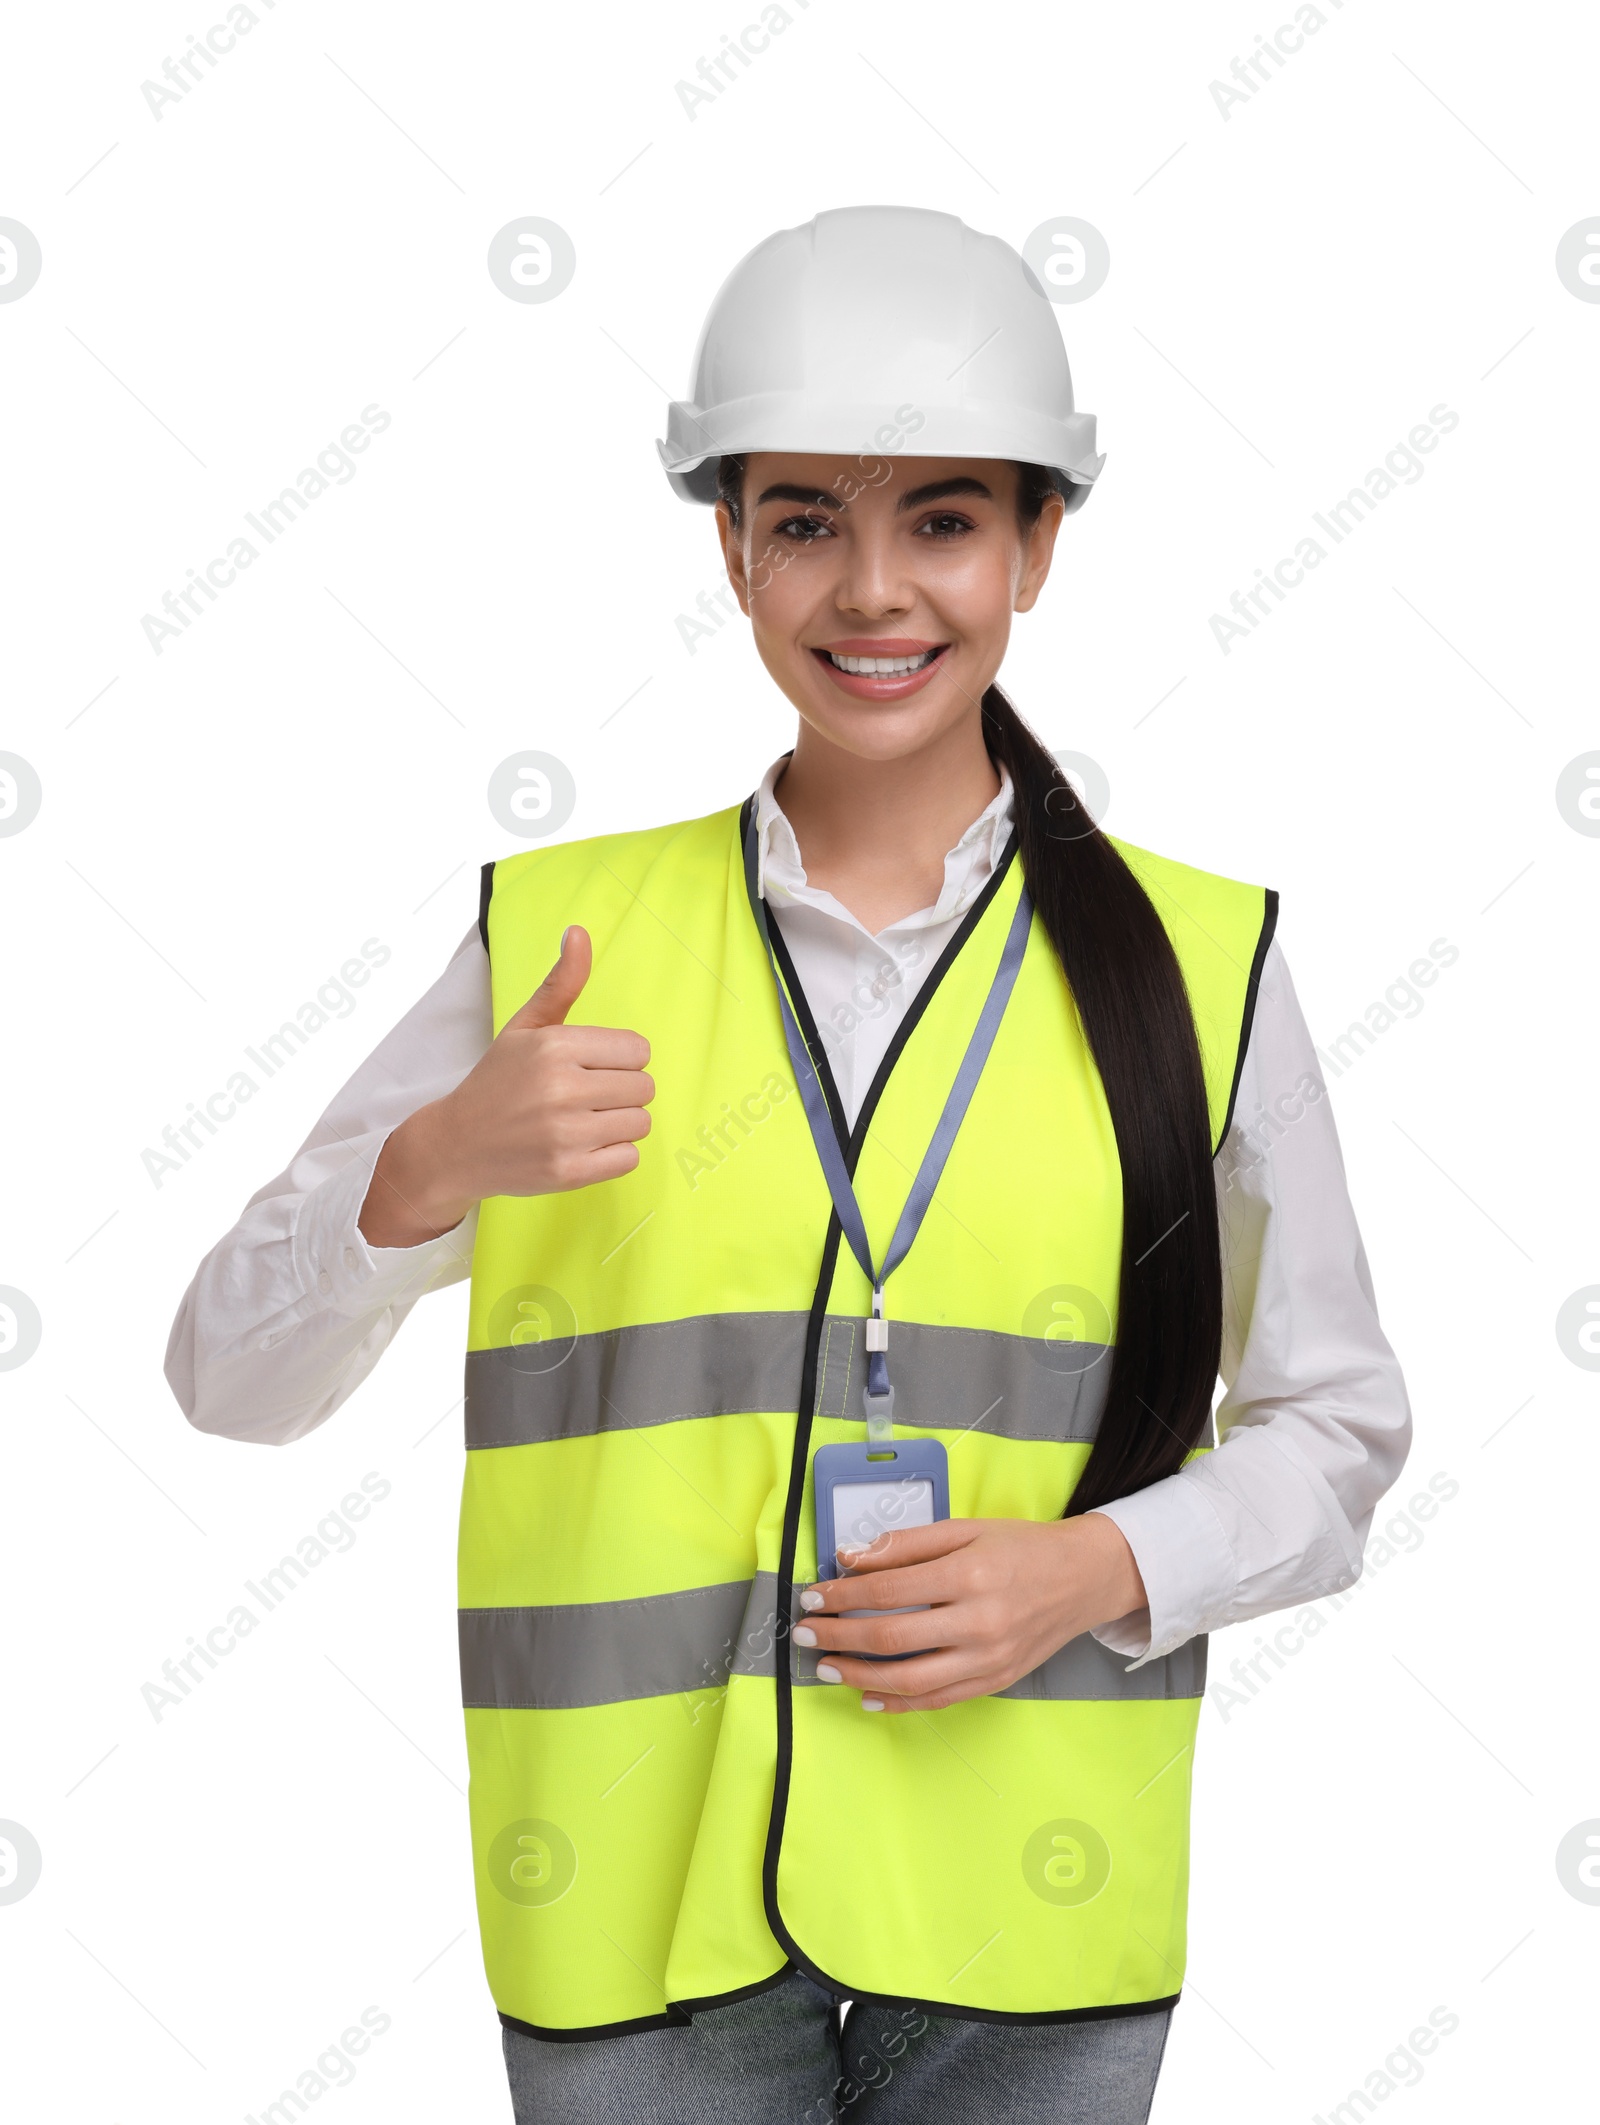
1185	1560
334	1265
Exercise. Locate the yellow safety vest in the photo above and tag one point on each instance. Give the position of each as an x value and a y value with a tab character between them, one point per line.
668	1811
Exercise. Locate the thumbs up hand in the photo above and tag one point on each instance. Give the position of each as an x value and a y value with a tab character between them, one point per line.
548	1108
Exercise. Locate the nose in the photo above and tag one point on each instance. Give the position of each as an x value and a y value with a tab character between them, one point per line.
873	581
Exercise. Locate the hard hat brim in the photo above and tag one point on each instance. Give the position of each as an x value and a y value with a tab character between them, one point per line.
697	439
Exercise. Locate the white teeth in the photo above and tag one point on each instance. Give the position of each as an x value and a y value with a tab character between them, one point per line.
887	667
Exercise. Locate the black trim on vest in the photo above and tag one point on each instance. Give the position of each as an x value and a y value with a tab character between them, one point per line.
1112	2013
1269	923
485	890
810	1031
784	1600
596	2032
739	1992
677	2016
799	1002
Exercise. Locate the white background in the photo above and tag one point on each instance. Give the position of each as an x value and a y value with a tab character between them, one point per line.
1293	287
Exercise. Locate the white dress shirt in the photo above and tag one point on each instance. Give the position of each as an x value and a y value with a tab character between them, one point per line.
292	1309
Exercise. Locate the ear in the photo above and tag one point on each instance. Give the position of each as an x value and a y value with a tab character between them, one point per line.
733	558
1038	553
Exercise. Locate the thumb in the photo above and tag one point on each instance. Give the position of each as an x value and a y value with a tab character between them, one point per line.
562	986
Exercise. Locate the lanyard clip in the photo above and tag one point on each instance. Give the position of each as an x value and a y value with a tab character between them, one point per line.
877	1397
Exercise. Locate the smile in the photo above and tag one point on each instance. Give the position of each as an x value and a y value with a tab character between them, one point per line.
897	665
885	670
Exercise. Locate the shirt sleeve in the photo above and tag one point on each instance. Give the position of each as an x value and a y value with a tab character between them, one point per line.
291	1310
1314	1424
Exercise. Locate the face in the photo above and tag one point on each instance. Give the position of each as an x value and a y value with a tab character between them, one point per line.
911	563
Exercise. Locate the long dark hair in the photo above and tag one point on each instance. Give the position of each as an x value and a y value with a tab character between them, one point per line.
1133	1005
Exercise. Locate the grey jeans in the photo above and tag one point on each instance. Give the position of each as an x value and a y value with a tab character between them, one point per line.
780	2058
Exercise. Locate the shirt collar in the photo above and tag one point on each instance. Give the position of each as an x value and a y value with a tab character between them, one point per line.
780	873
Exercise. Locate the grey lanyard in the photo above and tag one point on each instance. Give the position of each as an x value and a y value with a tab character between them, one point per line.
877	1398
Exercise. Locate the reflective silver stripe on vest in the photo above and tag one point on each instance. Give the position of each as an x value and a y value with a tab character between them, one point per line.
1083	1670
712	1365
600	1652
609	1652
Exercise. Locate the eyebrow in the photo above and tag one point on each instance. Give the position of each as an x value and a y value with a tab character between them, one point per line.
786	491
935	490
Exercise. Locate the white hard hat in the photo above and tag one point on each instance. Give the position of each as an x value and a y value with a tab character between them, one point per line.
881	331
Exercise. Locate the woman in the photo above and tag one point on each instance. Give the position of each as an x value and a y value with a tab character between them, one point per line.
913	1130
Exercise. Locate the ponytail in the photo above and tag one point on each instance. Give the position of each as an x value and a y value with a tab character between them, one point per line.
1134	1008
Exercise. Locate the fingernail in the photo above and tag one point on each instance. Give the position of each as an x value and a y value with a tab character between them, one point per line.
827	1674
802	1636
872	1704
811	1599
565	934
849	1555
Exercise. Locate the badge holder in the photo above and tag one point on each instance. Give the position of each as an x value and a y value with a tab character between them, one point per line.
864	1492
870	1489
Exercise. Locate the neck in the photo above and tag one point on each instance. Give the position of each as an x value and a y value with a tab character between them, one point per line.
875	833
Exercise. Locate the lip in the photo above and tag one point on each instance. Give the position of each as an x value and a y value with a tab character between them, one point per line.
880	646
880	686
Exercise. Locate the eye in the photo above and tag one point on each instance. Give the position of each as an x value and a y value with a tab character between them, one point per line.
945	524
805	530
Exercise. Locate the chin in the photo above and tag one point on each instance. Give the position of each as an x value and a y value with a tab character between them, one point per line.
875	732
